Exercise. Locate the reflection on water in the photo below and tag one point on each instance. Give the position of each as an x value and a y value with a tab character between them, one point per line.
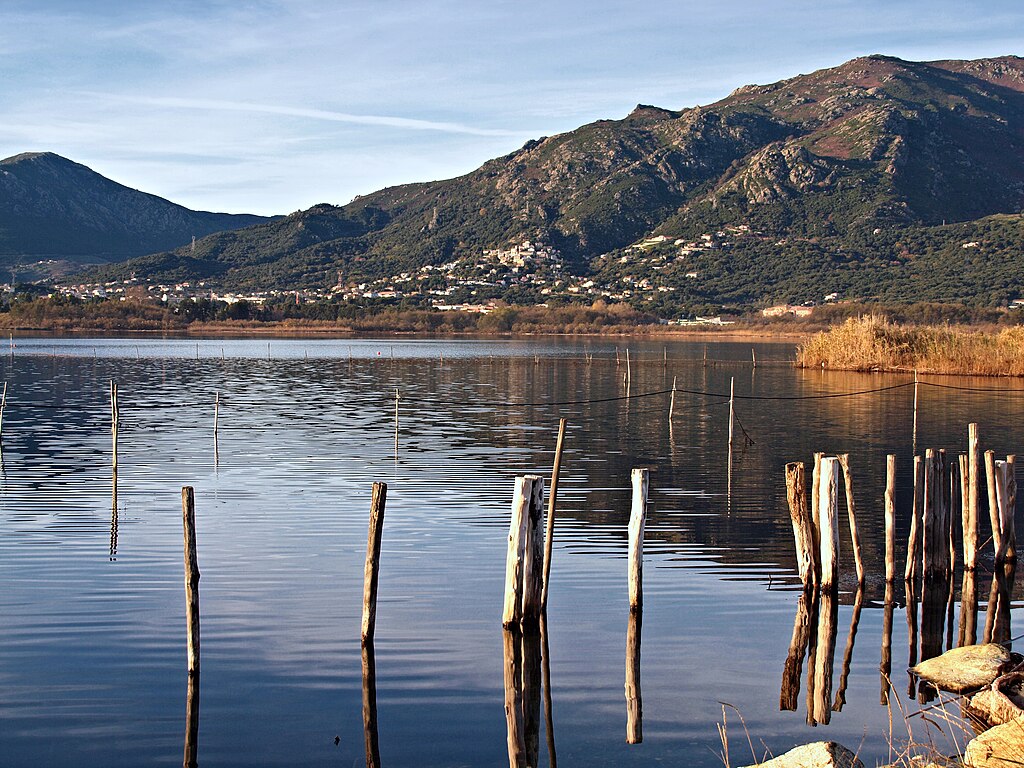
522	664
370	705
93	650
634	701
191	759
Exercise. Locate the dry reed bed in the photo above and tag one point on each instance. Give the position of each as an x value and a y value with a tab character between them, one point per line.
874	344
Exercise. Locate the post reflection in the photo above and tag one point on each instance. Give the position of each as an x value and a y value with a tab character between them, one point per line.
844	676
634	702
997	612
113	518
792	670
370	706
191	758
814	634
885	665
824	656
934	595
524	674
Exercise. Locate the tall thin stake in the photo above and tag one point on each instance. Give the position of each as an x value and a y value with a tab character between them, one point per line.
851	512
188	510
637	520
3	406
216	412
732	395
890	521
397	397
550	523
915	413
671	402
378	499
971	520
114	418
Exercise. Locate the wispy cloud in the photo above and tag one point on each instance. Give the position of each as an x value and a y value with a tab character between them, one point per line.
390	121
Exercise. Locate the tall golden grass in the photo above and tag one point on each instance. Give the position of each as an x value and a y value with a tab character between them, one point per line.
870	343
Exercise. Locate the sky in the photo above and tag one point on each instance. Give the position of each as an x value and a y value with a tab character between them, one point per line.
271	106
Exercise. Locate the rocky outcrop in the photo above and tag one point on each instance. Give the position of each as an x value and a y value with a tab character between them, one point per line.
820	754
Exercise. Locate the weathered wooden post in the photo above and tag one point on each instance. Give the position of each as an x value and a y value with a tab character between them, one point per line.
1006	492
971	519
915	413
851	513
732	394
917	513
671	402
890	520
753	357
397	397
828	523
3	407
993	503
968	634
216	413
933	540
634	701
527	503
188	509
629	370
637	520
549	534
803	525
378	499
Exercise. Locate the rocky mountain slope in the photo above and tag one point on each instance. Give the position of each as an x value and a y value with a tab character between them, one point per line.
53	208
834	165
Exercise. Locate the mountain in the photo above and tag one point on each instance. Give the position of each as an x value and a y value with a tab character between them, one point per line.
53	208
861	179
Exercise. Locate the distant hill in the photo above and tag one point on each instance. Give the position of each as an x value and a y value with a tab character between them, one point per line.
864	179
53	208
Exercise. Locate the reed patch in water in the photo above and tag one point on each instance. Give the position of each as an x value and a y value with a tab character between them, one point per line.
871	343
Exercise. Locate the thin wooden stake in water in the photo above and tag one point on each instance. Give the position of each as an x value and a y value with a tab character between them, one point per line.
216	412
671	402
993	504
890	520
3	406
629	370
753	357
844	461
732	395
915	413
188	510
397	397
549	535
637	520
828	523
114	418
371	570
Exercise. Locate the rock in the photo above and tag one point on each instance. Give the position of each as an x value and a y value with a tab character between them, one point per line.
965	669
820	754
1000	747
989	708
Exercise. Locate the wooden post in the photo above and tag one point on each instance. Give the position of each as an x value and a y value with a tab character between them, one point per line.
549	534
637	520
705	356
753	357
1006	491
803	525
216	412
851	513
815	515
3	406
634	702
378	498
828	522
533	568
397	397
968	610
915	413
933	542
1010	529
732	396
529	490
188	510
617	357
971	519
114	418
914	539
890	518
671	402
665	358
629	370
993	504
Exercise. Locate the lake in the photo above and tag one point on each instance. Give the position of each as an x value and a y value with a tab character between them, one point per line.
93	645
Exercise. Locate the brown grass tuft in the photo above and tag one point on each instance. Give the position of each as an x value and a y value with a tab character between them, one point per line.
871	343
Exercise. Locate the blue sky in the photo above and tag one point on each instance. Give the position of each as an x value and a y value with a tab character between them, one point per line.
270	106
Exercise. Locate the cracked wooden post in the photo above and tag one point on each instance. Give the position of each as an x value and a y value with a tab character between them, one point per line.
890	518
371	570
529	492
971	518
1006	492
188	510
828	522
803	526
993	504
637	520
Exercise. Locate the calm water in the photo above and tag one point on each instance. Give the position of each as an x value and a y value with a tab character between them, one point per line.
92	645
